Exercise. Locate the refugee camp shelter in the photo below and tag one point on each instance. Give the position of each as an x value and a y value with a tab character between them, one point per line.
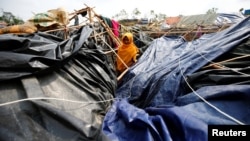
58	81
193	26
178	88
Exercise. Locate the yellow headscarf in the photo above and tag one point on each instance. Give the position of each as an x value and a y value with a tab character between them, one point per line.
126	52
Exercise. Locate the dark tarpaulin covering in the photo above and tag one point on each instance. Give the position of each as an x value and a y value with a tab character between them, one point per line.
236	69
157	103
68	79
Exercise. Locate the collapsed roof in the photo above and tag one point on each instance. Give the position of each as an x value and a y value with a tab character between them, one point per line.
60	84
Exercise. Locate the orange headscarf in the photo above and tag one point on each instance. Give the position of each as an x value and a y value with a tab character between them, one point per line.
126	52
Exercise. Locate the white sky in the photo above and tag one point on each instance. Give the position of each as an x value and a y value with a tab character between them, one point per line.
108	8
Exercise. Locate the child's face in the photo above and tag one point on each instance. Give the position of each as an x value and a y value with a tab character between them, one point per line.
125	40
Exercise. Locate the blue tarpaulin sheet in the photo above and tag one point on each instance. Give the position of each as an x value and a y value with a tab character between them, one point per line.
154	103
247	12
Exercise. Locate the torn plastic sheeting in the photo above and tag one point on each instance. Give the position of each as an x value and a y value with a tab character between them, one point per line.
157	77
79	89
27	54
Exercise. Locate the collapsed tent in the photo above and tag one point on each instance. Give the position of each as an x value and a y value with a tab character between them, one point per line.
157	101
193	26
58	84
213	19
53	89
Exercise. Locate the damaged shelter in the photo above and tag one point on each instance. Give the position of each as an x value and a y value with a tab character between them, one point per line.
58	82
192	26
55	85
178	87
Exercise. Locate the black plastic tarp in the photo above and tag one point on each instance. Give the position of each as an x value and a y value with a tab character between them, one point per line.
234	69
53	89
157	103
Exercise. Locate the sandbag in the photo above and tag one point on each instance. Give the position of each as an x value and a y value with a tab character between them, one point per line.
18	29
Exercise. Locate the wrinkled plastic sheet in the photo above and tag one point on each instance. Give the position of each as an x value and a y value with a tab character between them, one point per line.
201	19
213	19
157	103
228	18
53	89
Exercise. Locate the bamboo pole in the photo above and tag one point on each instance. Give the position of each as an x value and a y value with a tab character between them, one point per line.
90	17
110	32
122	74
228	60
111	51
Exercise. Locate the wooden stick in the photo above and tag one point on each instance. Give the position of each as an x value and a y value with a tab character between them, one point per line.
216	66
89	12
107	52
122	74
110	32
228	60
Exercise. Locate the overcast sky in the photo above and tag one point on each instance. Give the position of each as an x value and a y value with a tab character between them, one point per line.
25	8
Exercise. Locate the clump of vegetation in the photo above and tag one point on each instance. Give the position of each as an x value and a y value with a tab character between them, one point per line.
136	14
10	19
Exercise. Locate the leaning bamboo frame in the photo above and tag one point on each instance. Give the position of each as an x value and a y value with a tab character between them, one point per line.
92	15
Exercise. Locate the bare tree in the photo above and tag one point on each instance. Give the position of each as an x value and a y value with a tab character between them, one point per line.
123	14
161	16
212	11
136	13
